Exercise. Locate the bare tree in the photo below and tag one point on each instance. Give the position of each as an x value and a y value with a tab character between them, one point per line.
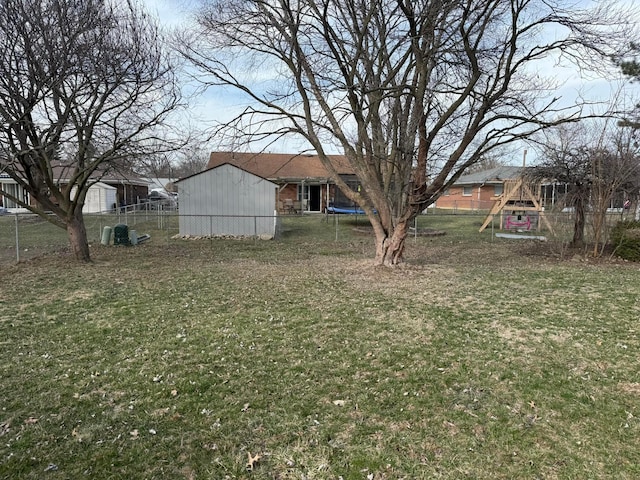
191	158
615	170
190	161
412	92
84	86
596	161
155	166
565	160
493	160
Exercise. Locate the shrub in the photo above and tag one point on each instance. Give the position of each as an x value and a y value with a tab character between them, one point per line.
626	240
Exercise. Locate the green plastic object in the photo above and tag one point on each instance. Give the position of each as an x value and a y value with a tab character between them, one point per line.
106	236
121	235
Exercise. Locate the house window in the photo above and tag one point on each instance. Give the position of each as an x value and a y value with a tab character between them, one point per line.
15	190
498	190
467	191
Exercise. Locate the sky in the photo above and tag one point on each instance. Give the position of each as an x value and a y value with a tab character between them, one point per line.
213	105
216	105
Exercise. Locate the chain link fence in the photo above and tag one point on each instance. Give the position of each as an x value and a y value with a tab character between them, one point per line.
25	236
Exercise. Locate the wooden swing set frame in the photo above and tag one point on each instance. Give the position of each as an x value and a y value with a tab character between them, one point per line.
517	196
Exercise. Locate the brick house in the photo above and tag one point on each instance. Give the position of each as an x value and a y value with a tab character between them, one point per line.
479	190
304	184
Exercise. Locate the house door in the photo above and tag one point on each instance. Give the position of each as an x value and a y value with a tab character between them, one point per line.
314	198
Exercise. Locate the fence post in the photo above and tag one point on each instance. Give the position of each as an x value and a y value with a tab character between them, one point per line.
493	235
336	218
255	227
166	225
17	241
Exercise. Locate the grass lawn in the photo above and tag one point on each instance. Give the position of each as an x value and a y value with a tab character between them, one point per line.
297	359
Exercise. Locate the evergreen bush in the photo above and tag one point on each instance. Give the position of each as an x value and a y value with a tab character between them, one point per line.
626	240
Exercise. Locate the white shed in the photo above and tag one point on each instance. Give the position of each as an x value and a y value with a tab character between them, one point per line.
101	198
227	200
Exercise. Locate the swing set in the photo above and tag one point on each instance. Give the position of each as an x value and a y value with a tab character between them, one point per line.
519	208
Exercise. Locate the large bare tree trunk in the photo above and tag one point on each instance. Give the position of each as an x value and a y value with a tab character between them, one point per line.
389	249
78	238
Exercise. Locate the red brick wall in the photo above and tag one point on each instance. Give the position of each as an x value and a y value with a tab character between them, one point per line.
481	198
290	192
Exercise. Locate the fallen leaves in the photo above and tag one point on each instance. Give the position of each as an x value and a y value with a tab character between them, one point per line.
251	463
5	427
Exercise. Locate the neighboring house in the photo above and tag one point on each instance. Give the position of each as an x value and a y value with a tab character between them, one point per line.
227	200
480	190
129	189
304	184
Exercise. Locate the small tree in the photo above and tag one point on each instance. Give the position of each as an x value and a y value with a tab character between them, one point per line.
565	160
84	85
615	170
596	161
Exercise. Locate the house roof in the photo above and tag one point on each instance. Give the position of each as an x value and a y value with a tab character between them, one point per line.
282	166
61	174
492	175
220	166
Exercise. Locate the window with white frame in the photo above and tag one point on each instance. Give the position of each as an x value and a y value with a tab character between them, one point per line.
498	190
467	191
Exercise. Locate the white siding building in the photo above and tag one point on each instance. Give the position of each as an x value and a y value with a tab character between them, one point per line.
101	198
227	200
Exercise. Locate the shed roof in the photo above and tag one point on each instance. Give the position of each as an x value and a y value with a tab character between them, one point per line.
210	169
281	165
